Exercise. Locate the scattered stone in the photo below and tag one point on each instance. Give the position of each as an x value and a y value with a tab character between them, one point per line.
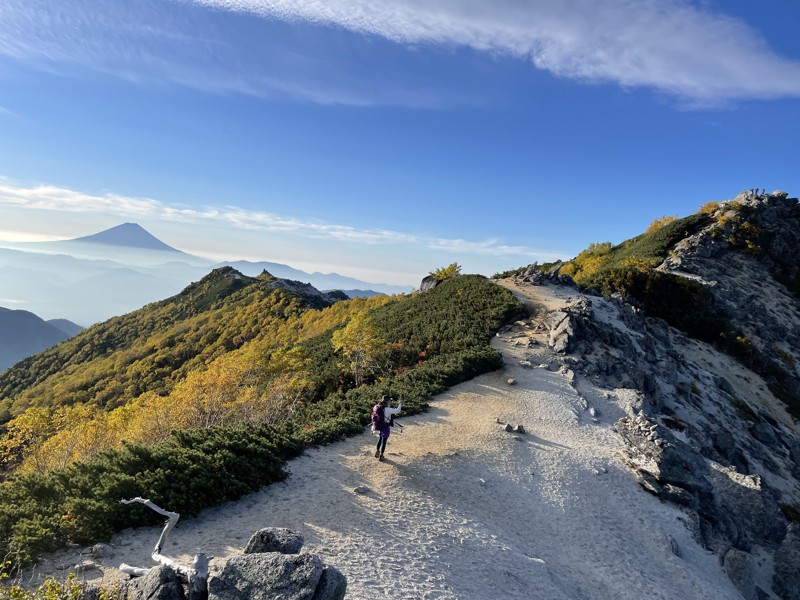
361	489
672	546
102	551
85	566
519	429
593	411
525	364
511	381
508	427
275	539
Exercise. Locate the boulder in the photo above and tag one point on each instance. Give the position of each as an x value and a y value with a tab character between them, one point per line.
268	576
160	583
738	567
102	551
274	539
332	585
428	283
561	330
552	273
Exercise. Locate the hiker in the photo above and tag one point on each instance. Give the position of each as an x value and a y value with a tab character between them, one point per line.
382	414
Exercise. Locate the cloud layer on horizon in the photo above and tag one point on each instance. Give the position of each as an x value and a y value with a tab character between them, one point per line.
672	46
58	199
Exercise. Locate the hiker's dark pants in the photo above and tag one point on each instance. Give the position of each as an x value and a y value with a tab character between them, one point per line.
381	444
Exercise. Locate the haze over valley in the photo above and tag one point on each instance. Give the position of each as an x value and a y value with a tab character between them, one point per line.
90	279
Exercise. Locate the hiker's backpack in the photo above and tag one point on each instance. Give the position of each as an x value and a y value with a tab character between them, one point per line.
378	417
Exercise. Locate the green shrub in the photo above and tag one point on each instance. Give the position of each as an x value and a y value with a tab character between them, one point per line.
442	338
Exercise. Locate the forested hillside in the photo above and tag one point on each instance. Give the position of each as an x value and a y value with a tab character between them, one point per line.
151	349
203	397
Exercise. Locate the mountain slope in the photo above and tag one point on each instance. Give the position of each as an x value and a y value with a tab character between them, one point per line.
321	281
470	511
151	348
129	235
729	275
66	326
22	334
716	434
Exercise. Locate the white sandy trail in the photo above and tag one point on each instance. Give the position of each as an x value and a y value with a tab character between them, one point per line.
465	510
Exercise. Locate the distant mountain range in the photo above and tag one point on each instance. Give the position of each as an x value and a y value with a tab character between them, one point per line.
92	278
22	334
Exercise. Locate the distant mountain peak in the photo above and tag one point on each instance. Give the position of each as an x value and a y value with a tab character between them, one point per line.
128	235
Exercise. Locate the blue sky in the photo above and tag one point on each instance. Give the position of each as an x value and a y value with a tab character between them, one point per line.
384	138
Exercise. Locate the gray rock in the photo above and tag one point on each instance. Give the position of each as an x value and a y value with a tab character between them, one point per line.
672	546
267	576
160	583
739	568
87	565
552	273
786	578
275	539
511	381
678	495
519	429
764	433
102	551
724	385
428	283
361	489
332	585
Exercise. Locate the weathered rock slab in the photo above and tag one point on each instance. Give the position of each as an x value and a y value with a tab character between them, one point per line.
275	539
268	576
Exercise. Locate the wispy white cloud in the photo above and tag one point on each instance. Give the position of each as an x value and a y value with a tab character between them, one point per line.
57	199
677	47
674	46
186	44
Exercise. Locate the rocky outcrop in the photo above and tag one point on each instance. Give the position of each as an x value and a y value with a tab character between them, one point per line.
275	539
787	565
537	275
748	257
271	568
705	433
316	298
428	283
